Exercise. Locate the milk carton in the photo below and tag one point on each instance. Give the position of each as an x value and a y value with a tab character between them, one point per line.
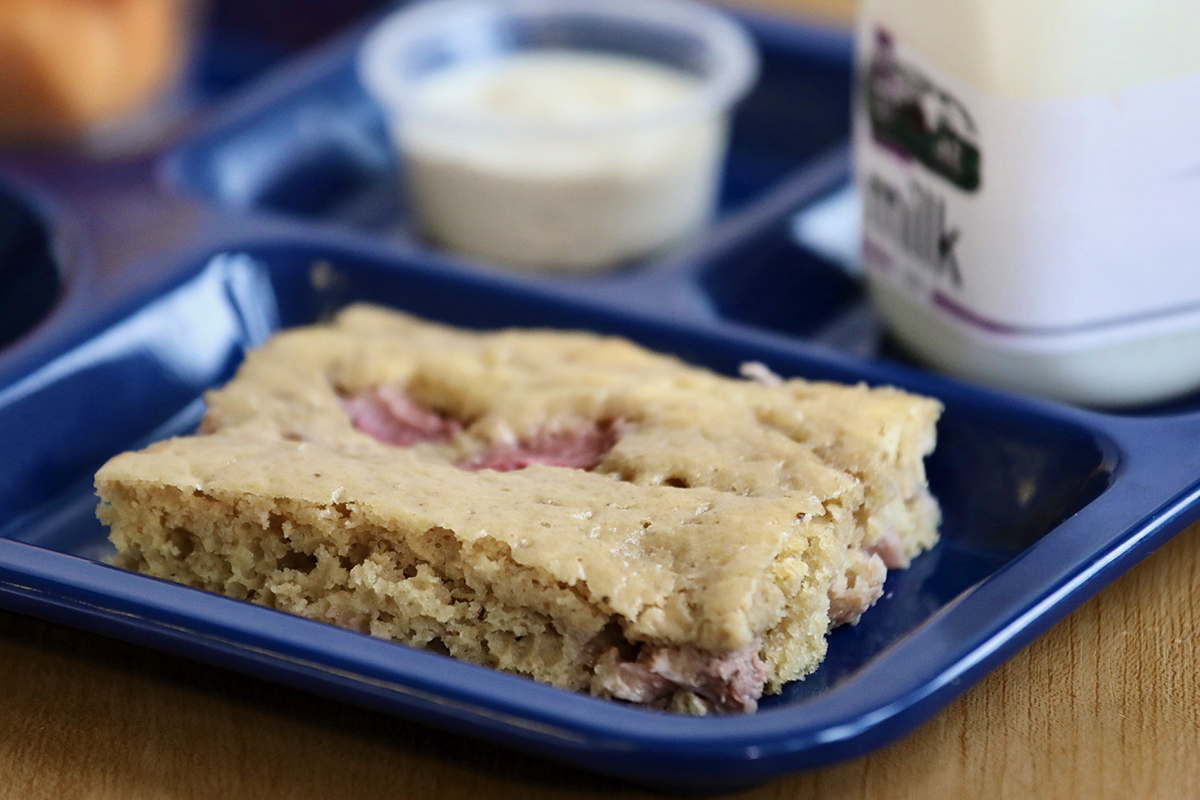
1030	173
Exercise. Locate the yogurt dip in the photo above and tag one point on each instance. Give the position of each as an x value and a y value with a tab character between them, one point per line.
551	159
558	135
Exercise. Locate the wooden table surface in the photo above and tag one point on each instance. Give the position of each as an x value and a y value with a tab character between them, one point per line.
1106	705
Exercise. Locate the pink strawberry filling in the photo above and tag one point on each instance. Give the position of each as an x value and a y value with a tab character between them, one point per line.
582	447
389	415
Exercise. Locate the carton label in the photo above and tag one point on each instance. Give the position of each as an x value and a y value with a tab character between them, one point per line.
1027	216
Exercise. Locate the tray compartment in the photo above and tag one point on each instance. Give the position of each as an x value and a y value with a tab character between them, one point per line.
1043	505
1005	476
315	147
769	281
318	150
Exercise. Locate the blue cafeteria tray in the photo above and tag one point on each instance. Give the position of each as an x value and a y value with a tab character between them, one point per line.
129	287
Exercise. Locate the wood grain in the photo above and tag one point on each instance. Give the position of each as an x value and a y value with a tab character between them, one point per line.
1106	705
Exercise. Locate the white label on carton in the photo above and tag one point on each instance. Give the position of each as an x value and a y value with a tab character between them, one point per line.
1025	216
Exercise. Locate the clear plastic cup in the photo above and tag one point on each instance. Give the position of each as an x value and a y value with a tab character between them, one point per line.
566	135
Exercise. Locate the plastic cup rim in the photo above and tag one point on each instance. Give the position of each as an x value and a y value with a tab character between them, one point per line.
712	96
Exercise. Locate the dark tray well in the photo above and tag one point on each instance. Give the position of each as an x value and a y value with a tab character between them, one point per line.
29	279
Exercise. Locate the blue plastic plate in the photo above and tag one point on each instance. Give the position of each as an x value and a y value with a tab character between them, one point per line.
280	208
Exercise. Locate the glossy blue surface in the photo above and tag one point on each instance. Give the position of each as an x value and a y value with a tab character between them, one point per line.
172	265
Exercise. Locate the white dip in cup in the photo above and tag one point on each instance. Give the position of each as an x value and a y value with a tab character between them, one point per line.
559	135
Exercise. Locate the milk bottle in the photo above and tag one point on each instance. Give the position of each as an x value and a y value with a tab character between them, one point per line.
1030	173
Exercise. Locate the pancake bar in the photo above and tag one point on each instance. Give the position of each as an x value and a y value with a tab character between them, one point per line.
560	505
